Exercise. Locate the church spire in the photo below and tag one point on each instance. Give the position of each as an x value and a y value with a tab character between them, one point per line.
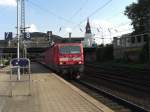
88	28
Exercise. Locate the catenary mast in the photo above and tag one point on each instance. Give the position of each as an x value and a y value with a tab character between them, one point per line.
18	36
22	26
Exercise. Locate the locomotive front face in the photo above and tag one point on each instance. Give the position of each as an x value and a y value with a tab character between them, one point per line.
71	58
70	55
66	59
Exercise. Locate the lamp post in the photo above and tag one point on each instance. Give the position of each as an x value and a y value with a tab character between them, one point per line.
18	44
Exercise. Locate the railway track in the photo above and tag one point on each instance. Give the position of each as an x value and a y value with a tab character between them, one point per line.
140	81
122	69
133	87
116	103
122	81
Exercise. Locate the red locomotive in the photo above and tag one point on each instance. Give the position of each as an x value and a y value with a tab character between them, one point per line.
66	58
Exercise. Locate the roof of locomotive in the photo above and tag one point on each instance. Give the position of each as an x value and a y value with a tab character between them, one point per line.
62	44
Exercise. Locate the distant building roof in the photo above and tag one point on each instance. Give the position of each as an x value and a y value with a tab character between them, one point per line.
37	34
73	39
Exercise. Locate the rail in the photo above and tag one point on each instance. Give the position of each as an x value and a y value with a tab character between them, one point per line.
117	99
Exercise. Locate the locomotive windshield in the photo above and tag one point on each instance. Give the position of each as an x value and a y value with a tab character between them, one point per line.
70	49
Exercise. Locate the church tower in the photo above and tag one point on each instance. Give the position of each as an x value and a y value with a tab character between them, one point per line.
88	37
88	27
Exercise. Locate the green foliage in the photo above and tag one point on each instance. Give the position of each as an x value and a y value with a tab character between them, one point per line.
139	13
4	62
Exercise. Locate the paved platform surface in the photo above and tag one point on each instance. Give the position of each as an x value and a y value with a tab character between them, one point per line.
49	94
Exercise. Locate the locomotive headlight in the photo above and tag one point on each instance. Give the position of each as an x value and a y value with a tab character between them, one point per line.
80	62
60	63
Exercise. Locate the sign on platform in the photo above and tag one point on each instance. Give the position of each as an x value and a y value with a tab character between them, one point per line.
22	62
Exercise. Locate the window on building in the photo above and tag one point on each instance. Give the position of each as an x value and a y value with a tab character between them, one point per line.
132	40
145	37
138	39
118	42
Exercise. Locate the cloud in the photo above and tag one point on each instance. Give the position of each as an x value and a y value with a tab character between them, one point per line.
33	28
68	29
8	2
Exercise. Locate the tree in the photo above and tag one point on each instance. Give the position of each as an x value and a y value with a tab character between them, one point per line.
139	13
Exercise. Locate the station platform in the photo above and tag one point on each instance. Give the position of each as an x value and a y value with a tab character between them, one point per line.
49	93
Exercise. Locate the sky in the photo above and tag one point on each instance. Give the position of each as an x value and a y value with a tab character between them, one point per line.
106	17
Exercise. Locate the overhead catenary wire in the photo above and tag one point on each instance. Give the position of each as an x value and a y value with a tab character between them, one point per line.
114	26
79	10
76	13
60	18
100	8
113	16
95	11
53	14
106	35
104	39
66	20
50	12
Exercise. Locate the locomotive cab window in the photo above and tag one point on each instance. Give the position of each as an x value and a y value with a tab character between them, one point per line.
70	50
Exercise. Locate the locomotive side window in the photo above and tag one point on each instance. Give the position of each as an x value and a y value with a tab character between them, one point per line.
70	50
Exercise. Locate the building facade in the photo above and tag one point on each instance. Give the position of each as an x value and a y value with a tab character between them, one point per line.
131	47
